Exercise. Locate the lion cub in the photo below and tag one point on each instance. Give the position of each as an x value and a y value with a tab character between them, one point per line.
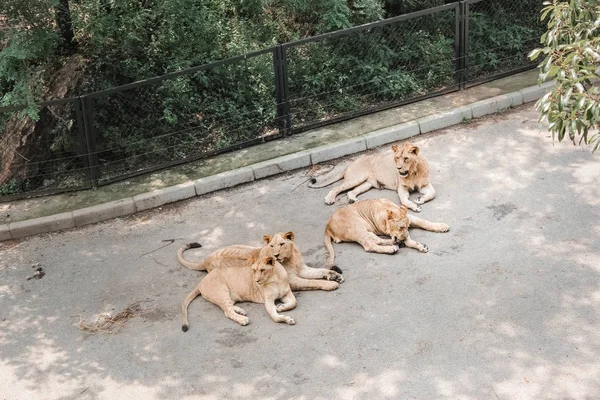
401	169
264	282
302	277
364	221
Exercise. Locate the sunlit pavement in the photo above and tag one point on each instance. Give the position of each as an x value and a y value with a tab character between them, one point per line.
504	306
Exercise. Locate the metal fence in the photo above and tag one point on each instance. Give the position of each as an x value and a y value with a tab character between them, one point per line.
176	118
498	35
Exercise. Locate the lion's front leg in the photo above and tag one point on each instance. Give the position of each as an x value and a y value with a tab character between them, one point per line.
275	316
428	193
427	225
297	283
371	245
416	245
307	272
406	201
381	241
234	313
288	302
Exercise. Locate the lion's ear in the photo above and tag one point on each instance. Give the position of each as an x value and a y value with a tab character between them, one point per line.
390	214
267	238
270	261
289	235
414	150
395	148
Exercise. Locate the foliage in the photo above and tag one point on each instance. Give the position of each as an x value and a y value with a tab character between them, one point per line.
14	187
211	110
27	51
572	57
501	33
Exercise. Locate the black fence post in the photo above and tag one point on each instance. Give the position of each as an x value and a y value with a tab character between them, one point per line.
458	46
83	148
90	140
283	118
464	5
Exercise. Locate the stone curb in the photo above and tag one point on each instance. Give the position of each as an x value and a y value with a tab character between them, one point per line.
392	134
445	119
166	195
4	233
278	165
337	150
534	93
102	212
156	198
223	180
41	225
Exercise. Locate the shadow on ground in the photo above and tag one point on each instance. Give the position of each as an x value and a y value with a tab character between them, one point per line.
504	306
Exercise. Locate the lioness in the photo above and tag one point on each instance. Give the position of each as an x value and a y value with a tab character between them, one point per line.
301	276
401	169
264	282
364	221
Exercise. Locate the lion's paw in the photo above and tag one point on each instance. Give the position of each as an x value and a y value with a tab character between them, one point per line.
243	321
280	307
443	228
424	249
239	310
334	276
329	201
289	320
330	285
419	200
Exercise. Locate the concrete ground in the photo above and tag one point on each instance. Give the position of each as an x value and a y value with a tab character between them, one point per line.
504	306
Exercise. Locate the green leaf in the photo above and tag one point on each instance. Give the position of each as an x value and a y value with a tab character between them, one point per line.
535	53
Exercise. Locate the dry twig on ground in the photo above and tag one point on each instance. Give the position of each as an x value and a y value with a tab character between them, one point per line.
106	323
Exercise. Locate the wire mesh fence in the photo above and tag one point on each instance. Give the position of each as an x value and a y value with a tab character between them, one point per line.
44	155
182	119
372	67
95	139
500	34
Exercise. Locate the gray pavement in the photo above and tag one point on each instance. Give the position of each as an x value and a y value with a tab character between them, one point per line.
504	306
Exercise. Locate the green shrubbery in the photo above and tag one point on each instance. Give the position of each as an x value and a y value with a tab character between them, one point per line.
129	40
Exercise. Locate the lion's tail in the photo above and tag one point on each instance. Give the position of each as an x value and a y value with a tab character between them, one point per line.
331	254
189	264
326	180
184	307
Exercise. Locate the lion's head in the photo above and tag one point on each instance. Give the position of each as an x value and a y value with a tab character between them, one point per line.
263	266
405	158
397	224
282	245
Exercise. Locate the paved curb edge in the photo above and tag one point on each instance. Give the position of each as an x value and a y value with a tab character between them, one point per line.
290	162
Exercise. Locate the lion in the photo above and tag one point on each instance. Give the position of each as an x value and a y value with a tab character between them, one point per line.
401	169
301	276
264	282
366	220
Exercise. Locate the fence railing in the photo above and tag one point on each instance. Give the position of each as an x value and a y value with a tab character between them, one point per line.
144	126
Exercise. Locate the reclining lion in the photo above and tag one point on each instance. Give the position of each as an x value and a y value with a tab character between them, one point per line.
365	221
264	282
401	169
301	276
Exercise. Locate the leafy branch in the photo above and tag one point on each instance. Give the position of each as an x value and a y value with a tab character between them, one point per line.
572	57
